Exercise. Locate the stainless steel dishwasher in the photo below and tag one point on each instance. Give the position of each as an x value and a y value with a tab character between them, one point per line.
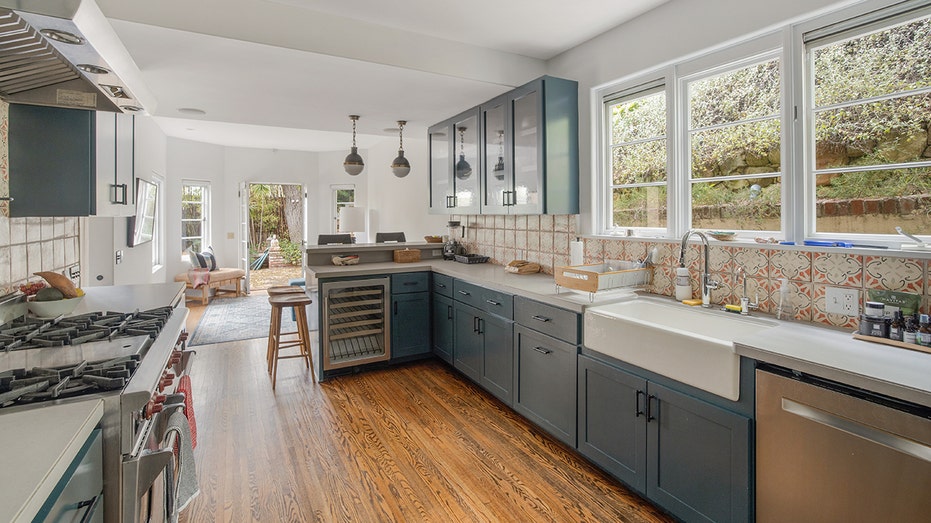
826	452
356	324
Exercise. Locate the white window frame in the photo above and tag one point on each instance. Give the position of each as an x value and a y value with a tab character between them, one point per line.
862	18
158	236
334	205
674	77
205	230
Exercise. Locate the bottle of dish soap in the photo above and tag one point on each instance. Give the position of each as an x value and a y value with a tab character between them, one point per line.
683	285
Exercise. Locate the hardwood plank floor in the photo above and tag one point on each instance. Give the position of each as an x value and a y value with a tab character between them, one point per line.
411	443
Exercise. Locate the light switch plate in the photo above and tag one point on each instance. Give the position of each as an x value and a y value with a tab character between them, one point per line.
838	300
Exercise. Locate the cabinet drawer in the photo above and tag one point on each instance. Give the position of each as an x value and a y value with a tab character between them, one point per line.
550	320
488	300
410	282
443	284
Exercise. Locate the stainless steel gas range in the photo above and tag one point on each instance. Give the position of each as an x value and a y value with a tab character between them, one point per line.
133	361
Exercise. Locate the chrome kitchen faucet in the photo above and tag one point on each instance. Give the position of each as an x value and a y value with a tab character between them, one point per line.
706	282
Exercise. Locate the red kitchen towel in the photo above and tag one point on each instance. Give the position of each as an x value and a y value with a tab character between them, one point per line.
184	387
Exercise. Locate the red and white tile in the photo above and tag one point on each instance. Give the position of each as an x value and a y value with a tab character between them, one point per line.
837	269
894	274
792	265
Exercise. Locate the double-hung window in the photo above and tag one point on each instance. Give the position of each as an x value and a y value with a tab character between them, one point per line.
637	153
869	99
734	137
195	213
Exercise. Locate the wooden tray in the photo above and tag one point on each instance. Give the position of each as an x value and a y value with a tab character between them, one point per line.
894	343
406	255
602	276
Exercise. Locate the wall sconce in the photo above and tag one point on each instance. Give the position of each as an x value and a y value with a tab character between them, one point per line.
463	169
353	163
400	166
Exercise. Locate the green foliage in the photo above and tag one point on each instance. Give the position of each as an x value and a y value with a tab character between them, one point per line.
292	252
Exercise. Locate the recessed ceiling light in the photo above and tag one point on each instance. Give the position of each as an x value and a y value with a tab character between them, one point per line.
93	69
62	36
192	110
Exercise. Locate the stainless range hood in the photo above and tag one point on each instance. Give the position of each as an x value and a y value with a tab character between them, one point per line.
64	53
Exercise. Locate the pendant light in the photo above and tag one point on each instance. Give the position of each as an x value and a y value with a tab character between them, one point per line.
353	163
463	169
498	169
400	166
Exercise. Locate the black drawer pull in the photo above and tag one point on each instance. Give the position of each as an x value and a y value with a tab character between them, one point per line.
541	350
410	283
650	416
537	317
465	293
493	302
441	285
637	409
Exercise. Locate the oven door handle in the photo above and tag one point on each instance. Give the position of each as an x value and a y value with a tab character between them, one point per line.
140	473
184	365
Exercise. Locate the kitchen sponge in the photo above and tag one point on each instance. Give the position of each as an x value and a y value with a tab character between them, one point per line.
693	302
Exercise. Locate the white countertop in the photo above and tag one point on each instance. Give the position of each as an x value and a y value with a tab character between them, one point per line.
836	355
127	298
540	287
36	447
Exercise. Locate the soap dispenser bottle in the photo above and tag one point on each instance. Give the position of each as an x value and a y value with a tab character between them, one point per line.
683	285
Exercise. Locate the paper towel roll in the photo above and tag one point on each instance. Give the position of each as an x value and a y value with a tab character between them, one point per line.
576	252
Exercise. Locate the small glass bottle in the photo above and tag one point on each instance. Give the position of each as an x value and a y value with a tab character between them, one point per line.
910	335
897	327
924	331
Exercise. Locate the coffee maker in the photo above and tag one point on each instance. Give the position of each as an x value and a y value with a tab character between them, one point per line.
453	245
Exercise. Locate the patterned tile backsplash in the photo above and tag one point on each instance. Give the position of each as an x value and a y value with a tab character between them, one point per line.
545	240
29	245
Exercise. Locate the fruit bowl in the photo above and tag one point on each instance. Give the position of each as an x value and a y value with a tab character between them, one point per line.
724	236
53	309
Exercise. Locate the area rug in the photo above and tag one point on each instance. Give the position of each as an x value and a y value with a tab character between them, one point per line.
243	318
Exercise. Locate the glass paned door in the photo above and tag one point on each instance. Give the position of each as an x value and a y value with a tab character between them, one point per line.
499	178
527	138
466	168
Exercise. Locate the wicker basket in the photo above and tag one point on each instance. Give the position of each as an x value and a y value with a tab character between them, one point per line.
471	258
406	255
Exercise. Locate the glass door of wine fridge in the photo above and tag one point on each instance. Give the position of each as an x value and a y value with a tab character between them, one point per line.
356	325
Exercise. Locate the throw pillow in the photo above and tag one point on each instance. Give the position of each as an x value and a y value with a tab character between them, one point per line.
210	261
197	261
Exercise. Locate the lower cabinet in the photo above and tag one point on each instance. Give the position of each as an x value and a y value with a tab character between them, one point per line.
410	312
687	455
484	349
545	382
443	326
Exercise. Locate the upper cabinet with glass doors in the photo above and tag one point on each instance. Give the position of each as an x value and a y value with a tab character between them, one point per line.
530	145
524	158
455	167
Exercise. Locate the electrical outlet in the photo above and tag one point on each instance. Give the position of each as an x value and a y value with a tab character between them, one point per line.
838	300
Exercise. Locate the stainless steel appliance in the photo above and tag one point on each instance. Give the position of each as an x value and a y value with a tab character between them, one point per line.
64	53
133	362
356	329
830	452
453	245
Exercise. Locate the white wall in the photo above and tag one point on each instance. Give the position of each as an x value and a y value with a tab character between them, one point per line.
669	33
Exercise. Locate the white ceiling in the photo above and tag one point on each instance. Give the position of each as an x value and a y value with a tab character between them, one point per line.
285	74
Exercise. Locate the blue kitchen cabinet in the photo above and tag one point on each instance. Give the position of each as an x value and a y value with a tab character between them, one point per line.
443	327
410	312
530	149
455	169
545	382
483	337
685	454
467	354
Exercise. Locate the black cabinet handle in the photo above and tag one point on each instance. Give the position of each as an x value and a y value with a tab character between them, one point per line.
475	324
465	293
410	283
650	416
449	312
541	350
493	302
637	409
119	195
544	319
441	285
451	201
481	325
395	308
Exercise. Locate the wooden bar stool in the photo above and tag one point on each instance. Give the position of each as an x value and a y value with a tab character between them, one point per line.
278	340
279	290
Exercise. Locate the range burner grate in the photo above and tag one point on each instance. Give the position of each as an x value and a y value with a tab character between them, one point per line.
30	333
18	386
